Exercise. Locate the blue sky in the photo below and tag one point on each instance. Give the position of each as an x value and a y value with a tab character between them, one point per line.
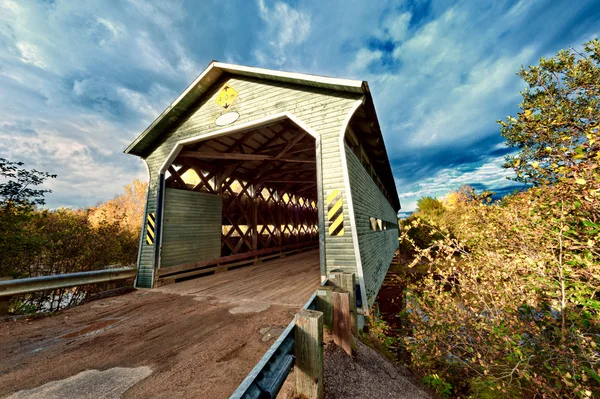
79	80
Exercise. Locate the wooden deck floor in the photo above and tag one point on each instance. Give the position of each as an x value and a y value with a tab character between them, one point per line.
268	282
197	338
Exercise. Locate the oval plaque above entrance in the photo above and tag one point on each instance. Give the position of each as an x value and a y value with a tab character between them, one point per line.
227	119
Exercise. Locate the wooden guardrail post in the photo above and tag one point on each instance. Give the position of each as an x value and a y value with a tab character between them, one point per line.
309	354
347	282
4	305
325	304
342	325
4	301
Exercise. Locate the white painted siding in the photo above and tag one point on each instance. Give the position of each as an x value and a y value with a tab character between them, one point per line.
322	110
376	248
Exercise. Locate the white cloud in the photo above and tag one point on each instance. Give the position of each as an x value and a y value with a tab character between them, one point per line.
185	64
79	159
80	80
408	194
105	96
286	28
150	56
31	54
150	103
520	8
471	108
396	26
364	57
408	206
74	90
162	14
107	31
490	174
9	10
451	83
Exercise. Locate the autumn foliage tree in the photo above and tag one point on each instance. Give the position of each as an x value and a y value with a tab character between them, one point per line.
511	304
557	131
126	209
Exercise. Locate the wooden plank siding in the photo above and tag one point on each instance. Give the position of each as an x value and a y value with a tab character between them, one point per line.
192	227
322	109
377	248
145	275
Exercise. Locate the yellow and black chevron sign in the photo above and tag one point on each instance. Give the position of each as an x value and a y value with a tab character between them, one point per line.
335	213
150	226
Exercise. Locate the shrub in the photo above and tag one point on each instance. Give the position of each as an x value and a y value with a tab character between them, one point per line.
523	315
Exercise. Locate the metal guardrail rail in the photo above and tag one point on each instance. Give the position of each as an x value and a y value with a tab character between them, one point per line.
267	377
21	286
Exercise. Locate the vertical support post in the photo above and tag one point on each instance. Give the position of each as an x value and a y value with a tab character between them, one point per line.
159	225
278	229
309	355
4	305
347	282
254	217
342	329
325	304
219	178
320	207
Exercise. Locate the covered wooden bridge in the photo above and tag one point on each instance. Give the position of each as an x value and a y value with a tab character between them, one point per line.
250	164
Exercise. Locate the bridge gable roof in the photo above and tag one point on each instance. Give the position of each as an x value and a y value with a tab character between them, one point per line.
215	73
212	74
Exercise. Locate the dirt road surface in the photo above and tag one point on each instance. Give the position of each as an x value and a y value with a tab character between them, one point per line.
198	338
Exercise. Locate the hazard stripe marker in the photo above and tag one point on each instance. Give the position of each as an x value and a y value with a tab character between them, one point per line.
150	228
335	213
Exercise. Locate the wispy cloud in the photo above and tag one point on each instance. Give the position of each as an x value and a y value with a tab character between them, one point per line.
80	80
396	27
287	28
441	78
364	58
489	175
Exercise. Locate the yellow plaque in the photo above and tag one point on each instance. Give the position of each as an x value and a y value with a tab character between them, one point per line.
226	97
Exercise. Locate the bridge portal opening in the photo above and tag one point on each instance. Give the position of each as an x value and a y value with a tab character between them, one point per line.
236	199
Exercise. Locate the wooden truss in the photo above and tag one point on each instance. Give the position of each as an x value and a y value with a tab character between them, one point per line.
267	179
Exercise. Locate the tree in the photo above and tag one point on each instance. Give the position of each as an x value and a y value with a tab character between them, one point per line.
430	206
17	190
126	209
18	199
557	132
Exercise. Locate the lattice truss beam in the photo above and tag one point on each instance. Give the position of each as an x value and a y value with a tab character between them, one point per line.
267	179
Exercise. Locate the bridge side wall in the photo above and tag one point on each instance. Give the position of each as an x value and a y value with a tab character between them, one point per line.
376	248
192	227
323	110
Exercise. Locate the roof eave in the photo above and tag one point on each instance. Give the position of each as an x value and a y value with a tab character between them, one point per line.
391	187
349	85
353	86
